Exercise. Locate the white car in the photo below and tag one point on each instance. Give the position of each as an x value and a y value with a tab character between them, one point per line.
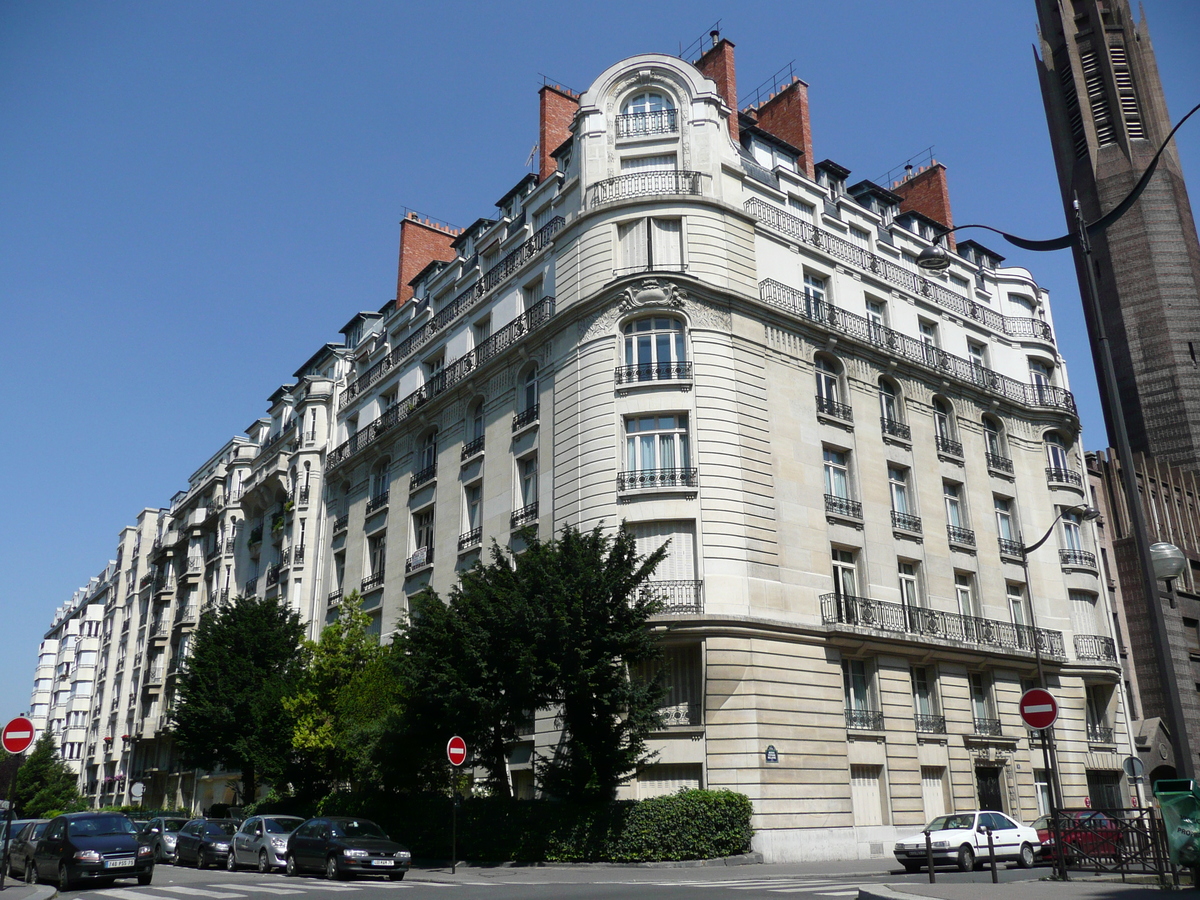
962	839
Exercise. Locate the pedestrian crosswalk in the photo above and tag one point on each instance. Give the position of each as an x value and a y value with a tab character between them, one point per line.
814	887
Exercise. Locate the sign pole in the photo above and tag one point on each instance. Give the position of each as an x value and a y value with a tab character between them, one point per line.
15	737
8	820
456	752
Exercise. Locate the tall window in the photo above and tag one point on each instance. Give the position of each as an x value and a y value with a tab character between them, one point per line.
943	422
992	437
804	211
827	387
651	244
475	423
929	337
427	456
376	554
530	393
814	286
922	688
647	112
656	346
981	699
1056	453
888	405
978	354
898	485
964	591
656	442
1017	606
837	474
1004	520
527	470
423	529
380	479
474	505
844	573
857	685
1072	532
909	588
876	319
1083	613
954	512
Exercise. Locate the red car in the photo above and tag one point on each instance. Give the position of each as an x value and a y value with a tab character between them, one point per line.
1084	833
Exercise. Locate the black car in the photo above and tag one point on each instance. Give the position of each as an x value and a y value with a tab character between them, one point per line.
21	848
204	841
343	846
90	847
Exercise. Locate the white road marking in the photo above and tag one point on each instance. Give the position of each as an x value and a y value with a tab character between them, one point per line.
198	892
266	890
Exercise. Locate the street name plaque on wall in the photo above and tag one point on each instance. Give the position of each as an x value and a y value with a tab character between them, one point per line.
772	754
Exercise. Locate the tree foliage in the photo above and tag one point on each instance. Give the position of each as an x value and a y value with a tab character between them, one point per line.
230	704
45	784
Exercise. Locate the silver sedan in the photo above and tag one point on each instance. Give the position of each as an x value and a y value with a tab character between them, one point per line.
261	842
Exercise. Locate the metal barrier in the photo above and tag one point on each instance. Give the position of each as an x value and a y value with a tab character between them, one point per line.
1108	841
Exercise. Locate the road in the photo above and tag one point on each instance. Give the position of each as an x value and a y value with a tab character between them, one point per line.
820	881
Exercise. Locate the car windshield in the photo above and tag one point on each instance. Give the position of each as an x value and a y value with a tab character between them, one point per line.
358	828
173	824
948	823
281	826
220	828
94	826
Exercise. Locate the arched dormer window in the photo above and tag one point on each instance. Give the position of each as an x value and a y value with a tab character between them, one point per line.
829	388
655	350
647	113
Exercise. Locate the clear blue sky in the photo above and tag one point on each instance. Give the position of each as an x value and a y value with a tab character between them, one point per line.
194	197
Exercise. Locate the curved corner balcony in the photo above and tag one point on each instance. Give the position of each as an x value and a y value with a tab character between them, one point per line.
632	185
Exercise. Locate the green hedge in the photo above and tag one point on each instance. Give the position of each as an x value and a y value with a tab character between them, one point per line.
688	825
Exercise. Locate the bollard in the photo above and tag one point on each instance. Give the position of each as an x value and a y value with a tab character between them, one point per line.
929	857
992	856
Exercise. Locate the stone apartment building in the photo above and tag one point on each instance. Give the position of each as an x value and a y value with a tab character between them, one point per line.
687	322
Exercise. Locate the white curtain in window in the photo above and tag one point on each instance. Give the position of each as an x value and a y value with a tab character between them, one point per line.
648	163
666	248
1083	613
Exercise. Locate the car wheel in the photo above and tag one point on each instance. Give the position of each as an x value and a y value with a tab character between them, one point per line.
30	872
264	862
911	866
230	862
333	871
158	853
396	876
966	859
201	859
145	878
1025	857
289	865
64	878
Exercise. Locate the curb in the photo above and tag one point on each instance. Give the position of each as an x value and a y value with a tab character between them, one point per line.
883	892
753	858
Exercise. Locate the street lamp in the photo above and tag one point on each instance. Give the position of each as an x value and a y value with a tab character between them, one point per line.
1049	752
936	258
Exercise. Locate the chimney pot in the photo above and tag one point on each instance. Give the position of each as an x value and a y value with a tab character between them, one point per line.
715	35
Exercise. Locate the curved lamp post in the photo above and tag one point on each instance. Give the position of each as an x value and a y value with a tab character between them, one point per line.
936	258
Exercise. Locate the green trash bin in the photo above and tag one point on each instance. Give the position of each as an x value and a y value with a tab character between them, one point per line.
1179	801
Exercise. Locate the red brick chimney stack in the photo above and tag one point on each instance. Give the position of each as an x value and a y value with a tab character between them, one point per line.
421	242
717	64
928	193
785	115
557	111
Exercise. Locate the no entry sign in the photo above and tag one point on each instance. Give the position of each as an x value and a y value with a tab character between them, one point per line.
1039	709
456	751
17	735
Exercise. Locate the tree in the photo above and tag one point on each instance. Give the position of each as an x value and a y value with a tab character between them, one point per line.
45	784
330	704
230	706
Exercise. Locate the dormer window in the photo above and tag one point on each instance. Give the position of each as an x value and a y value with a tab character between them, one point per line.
647	113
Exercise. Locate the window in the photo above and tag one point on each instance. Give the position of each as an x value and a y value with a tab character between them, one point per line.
844	573
924	702
929	333
910	596
530	393
828	391
1024	306
649	244
656	442
814	287
1004	521
981	698
993	439
1017	606
1072	533
646	113
427	453
837	474
475	424
679	565
380	479
898	485
860	238
655	348
433	367
961	283
532	294
943	423
856	685
376	554
1083	613
964	592
889	409
954	512
978	354
1098	698
1056	453
482	330
1041	376
804	211
423	529
527	470
473	506
876	319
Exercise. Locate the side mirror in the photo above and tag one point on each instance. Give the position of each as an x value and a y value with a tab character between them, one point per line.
155	831
982	829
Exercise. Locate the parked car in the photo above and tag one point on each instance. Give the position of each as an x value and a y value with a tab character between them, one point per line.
17	825
92	847
21	848
1083	833
262	842
343	846
161	833
962	839
203	841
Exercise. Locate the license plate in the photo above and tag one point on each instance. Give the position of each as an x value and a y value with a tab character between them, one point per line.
383	862
118	863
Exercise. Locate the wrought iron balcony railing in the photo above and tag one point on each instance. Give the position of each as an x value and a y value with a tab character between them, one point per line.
937	626
1055	475
1099	734
806	232
273	575
420	559
526	417
836	410
906	522
964	536
676	598
864	719
524	516
645	184
816	309
644	124
930	724
470	448
472	538
1095	646
685	713
990	727
423	476
663	371
893	428
341	522
998	463
949	447
450	376
252	586
372	581
1011	548
1077	559
334	598
303	494
378	502
842	506
646	479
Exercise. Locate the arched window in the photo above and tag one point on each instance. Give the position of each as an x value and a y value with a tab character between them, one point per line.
828	374
530	393
1056	453
993	439
646	113
1041	375
943	427
655	349
889	410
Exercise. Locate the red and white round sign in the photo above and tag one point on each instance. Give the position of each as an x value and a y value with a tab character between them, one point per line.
1039	709
456	751
17	735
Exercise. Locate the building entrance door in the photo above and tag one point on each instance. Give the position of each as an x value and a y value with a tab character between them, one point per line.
988	780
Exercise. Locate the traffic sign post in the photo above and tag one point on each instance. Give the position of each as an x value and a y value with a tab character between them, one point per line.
1039	711
456	752
16	737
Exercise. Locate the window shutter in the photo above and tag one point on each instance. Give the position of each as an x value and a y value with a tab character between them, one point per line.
666	249
632	237
680	561
865	795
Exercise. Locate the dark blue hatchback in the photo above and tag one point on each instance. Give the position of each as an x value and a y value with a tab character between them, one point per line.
92	847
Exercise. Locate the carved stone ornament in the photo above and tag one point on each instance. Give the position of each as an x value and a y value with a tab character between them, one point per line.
651	292
598	325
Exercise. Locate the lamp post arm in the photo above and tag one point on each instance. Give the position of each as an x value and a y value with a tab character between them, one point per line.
1045	537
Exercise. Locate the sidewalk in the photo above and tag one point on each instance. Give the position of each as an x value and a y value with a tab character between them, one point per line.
1082	889
18	890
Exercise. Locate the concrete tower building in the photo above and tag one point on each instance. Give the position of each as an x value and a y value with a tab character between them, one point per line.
1107	116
